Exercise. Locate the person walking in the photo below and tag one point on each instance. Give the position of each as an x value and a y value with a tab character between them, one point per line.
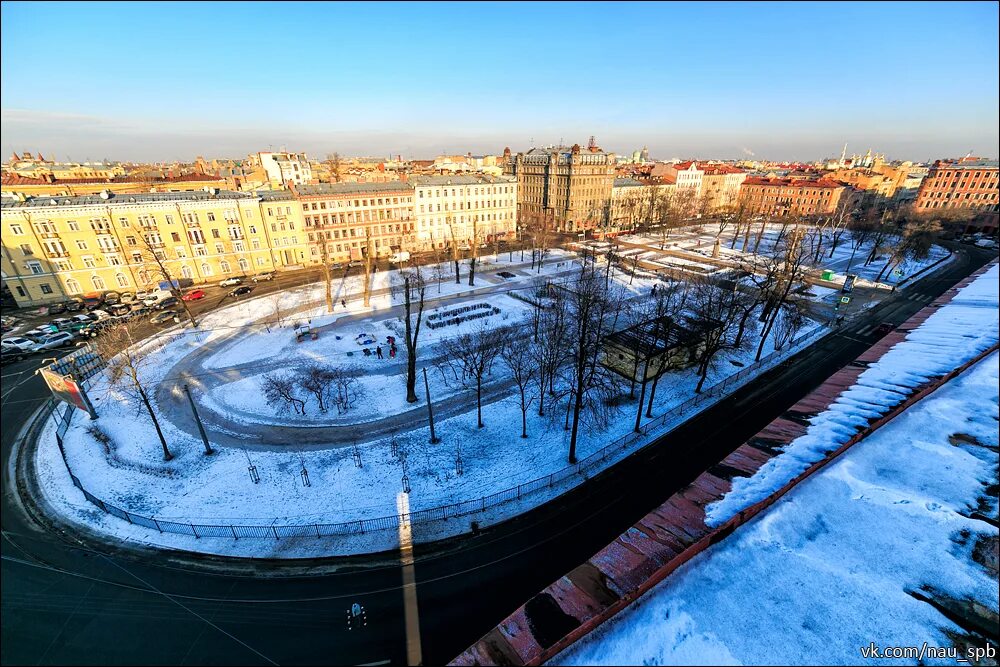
378	352
392	352
343	303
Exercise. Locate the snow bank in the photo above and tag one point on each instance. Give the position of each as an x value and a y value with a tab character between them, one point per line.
953	335
827	569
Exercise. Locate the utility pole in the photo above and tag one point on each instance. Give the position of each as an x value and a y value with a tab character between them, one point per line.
430	410
197	419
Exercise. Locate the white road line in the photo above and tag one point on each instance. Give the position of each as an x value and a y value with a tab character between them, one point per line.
865	330
411	615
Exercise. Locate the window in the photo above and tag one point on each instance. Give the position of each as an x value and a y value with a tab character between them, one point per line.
121	279
123	222
206	270
261	261
244	265
20	291
73	286
98	282
215	234
45	288
175	237
211	216
26	249
169	219
253	229
219	249
186	271
16	229
73	225
255	244
34	266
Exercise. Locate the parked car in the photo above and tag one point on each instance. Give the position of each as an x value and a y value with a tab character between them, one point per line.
19	343
355	263
93	300
100	315
120	310
144	294
57	308
41	330
84	319
165	316
153	298
9	355
229	282
94	329
74	305
240	291
169	302
261	277
338	266
127	297
112	297
52	341
398	257
62	323
194	295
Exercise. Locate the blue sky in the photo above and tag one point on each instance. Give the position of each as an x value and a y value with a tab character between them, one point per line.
783	80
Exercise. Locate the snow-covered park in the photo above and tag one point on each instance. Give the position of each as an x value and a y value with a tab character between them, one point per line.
274	466
853	554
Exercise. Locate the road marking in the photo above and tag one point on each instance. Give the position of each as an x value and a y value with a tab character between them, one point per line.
411	615
865	330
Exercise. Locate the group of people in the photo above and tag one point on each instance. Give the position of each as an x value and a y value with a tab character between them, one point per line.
391	342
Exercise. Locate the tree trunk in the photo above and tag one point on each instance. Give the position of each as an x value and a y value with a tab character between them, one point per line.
703	373
577	404
524	416
541	392
472	272
479	401
652	395
642	398
329	287
156	423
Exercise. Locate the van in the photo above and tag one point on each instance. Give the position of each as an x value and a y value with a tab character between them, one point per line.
398	257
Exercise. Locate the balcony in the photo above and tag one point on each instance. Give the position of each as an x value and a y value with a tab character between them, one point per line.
148	226
111	250
193	224
49	235
56	254
157	244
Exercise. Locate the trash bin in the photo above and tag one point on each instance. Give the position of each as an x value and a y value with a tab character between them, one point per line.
827	275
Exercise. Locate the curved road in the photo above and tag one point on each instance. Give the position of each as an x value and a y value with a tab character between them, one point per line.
65	602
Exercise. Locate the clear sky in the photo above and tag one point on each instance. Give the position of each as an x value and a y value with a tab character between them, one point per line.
164	81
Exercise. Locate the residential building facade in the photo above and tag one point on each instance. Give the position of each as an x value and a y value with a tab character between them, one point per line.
570	185
969	183
478	209
720	186
282	168
788	196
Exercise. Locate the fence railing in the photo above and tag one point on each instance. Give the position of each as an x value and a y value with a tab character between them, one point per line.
581	470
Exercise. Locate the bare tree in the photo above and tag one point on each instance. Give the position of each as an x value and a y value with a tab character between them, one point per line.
475	250
333	163
368	266
915	242
155	261
470	356
716	312
549	343
519	358
411	289
590	309
788	256
127	363
280	391
317	380
664	309
345	388
321	244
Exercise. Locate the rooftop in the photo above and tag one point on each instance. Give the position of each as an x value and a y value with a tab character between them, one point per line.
469	179
97	200
334	189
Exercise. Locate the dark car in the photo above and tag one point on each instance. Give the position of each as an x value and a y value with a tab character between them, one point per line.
74	305
112	298
884	328
241	290
120	310
57	308
169	302
165	316
9	355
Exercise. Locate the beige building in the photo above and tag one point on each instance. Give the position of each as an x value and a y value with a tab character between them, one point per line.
720	186
633	202
57	247
472	208
353	217
569	185
282	168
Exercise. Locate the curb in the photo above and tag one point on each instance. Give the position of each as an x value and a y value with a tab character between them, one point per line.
675	532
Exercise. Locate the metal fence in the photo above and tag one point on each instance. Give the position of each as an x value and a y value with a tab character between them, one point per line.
581	470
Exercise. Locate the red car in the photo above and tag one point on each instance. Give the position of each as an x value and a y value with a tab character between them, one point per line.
194	295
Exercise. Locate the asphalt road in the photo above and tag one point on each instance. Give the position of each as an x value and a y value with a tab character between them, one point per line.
64	603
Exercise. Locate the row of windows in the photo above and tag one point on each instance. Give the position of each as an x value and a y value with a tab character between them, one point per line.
341	203
103	225
359	233
494	190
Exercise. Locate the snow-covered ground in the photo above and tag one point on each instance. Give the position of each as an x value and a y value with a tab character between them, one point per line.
829	568
219	490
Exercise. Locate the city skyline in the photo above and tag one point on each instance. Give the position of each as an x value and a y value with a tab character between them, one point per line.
788	85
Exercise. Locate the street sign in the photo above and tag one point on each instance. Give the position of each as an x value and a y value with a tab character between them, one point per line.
66	389
849	283
845	299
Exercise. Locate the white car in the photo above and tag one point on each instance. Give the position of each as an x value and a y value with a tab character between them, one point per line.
261	277
19	343
100	315
230	282
52	341
62	323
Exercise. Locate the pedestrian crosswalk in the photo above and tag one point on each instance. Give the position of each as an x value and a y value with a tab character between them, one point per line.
865	330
